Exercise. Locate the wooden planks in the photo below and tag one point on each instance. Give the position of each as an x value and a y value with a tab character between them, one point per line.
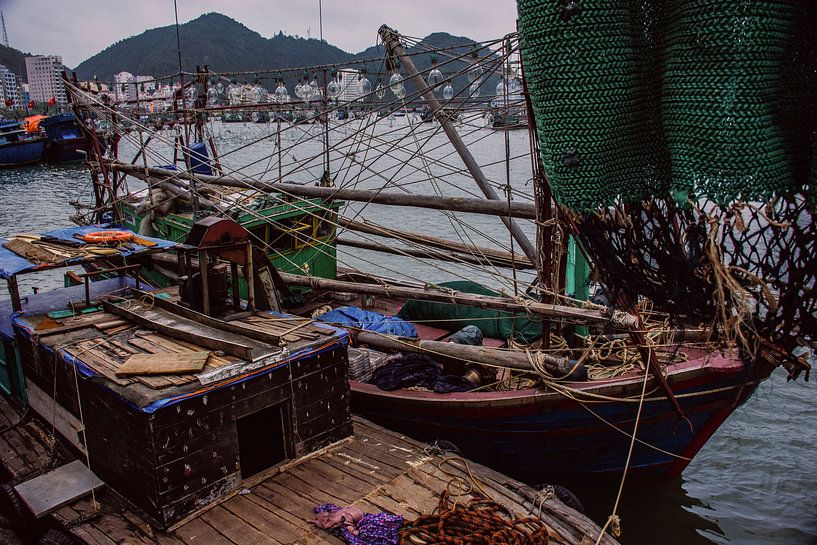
50	491
163	364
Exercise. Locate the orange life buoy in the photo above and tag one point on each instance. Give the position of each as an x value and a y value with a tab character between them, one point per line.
107	237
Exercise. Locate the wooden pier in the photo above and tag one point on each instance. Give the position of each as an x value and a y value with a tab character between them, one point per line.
376	470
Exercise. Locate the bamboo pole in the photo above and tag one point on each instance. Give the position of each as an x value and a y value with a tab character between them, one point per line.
511	359
461	298
392	42
472	205
435	242
453	256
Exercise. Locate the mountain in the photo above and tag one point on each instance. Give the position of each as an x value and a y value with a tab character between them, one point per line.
225	45
14	60
215	40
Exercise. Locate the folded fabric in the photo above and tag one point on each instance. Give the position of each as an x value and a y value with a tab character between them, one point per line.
343	517
369	529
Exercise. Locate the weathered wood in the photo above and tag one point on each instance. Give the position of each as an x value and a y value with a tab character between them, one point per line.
243	351
263	520
492	207
232	327
511	359
239	531
154	364
456	298
198	532
498	257
450	257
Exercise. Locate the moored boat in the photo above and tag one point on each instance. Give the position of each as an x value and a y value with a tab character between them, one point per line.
18	147
549	420
66	142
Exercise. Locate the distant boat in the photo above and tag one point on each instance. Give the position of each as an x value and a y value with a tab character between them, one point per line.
17	148
233	117
65	139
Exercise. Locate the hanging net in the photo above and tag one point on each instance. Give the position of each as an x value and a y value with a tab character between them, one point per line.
680	138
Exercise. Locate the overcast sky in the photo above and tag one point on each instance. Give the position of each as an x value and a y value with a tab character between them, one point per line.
78	29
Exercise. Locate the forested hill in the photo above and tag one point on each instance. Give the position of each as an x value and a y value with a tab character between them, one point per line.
222	44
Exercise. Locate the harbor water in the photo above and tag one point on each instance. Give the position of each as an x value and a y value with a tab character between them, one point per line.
753	483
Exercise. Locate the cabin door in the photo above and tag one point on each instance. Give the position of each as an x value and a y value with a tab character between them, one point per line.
11	374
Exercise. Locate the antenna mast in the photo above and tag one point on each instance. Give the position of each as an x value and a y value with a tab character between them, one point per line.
5	36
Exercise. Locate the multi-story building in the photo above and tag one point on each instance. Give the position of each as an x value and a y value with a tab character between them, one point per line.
9	87
130	87
44	79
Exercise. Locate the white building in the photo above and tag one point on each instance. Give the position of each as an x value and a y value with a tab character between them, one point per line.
44	78
8	87
130	87
349	85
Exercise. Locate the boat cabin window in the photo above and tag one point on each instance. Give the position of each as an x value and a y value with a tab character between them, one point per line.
291	233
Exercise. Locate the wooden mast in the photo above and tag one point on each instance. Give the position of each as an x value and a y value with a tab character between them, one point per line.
456	204
394	47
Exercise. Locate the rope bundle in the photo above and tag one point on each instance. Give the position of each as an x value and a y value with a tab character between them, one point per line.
478	522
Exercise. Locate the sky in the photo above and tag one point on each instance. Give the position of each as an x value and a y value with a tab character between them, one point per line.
78	29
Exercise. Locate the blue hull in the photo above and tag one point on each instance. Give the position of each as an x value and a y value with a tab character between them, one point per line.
533	435
26	152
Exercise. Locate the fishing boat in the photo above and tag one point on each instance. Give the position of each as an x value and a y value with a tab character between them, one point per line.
164	408
559	384
18	147
66	142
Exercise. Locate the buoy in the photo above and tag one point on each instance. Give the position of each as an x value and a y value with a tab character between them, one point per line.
107	237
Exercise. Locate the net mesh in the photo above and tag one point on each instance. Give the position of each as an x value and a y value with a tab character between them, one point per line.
681	137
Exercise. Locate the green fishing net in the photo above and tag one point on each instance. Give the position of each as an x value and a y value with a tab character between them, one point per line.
642	98
680	140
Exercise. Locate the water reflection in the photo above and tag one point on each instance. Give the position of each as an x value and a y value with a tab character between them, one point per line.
651	512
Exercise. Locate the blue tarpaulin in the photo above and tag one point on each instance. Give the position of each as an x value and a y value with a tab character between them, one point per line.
11	263
370	321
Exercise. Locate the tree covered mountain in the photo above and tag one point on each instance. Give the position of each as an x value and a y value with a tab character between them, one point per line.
224	44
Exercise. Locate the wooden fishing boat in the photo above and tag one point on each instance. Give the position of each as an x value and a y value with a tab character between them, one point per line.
651	412
187	415
66	142
17	147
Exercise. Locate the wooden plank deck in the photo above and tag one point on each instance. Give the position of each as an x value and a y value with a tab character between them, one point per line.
376	470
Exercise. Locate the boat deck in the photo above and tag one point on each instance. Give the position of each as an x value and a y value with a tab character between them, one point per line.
375	470
103	341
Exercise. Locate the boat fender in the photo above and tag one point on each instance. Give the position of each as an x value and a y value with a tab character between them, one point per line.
20	517
107	237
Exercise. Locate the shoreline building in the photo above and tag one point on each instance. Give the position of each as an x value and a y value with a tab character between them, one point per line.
128	87
44	80
9	87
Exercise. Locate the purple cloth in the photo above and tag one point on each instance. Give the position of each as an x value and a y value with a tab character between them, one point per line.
371	529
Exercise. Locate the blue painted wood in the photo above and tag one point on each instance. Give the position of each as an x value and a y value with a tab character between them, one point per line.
22	152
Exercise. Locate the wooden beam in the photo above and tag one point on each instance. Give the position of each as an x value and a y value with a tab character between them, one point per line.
521	210
453	256
512	359
468	299
391	39
499	257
